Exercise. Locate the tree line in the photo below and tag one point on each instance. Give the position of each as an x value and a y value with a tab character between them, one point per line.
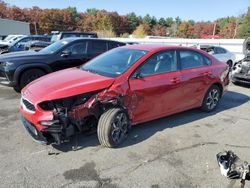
111	24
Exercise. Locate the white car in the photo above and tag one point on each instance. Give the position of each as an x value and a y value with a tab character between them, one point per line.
10	38
221	54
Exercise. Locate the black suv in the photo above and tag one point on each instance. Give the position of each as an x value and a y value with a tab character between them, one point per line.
21	43
20	68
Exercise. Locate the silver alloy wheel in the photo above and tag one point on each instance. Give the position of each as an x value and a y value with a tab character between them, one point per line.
120	127
212	99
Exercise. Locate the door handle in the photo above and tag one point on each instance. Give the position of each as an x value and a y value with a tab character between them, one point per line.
175	80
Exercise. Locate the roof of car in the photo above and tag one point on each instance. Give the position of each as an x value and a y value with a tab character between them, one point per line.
152	47
70	39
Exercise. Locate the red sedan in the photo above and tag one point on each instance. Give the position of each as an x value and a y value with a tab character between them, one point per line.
121	88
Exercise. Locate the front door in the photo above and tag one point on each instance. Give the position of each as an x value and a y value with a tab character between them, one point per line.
156	87
72	56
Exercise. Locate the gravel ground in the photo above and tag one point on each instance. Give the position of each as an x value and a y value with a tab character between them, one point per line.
176	151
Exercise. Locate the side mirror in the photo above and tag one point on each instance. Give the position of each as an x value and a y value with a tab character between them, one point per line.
137	75
65	54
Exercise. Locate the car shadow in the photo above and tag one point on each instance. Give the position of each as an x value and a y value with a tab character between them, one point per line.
144	131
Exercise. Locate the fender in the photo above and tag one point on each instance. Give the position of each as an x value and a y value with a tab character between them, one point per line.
21	68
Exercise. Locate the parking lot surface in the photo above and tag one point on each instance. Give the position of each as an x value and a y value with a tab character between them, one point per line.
176	151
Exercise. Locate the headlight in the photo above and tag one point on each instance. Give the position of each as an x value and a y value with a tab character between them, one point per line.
47	105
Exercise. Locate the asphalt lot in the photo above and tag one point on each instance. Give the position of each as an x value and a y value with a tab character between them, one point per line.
176	151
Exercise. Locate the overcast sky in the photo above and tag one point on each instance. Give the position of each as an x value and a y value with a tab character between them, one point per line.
197	10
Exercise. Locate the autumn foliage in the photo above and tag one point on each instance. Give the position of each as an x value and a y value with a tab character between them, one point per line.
111	24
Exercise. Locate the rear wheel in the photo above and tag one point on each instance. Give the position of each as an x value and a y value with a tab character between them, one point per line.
113	127
28	76
211	99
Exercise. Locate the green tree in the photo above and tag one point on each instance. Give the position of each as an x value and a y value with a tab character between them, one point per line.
169	21
133	21
162	22
73	13
244	29
92	11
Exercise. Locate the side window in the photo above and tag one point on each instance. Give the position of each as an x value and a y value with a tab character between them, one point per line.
222	50
191	59
219	50
159	63
98	47
77	48
22	42
67	35
113	45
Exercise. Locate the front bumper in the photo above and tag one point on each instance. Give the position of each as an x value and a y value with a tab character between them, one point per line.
245	79
33	132
4	78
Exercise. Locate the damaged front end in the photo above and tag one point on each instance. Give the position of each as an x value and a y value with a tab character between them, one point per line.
71	115
241	71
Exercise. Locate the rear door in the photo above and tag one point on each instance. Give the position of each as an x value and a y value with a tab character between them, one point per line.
156	87
196	76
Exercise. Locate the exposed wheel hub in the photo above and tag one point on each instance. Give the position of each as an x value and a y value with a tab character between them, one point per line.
120	128
212	99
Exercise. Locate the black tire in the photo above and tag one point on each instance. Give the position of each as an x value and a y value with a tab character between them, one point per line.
17	89
211	99
28	76
113	127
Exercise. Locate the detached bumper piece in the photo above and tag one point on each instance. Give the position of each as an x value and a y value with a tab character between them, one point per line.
241	78
35	135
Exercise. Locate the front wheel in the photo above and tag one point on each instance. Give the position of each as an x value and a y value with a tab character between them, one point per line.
211	99
113	127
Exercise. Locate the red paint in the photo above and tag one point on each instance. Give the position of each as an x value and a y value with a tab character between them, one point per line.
145	98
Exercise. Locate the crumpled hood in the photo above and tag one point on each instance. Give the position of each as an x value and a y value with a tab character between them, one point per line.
65	83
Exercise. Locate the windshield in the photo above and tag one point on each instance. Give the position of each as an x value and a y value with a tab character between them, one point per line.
54	47
115	62
8	38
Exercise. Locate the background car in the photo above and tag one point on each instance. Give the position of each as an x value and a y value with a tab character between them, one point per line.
20	68
241	71
10	38
37	45
21	43
220	53
67	34
123	87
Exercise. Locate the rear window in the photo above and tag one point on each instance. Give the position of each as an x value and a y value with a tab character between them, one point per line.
191	59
